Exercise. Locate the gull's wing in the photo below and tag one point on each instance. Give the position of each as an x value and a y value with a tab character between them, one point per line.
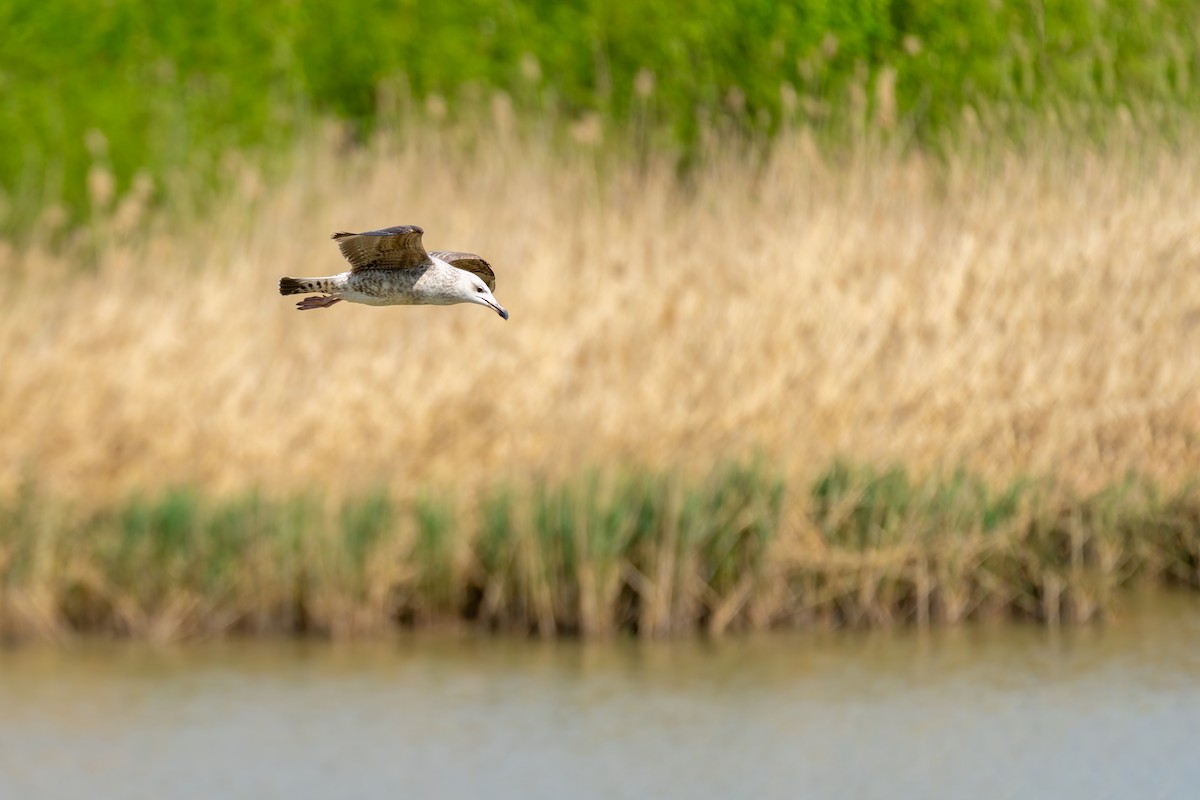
469	262
391	248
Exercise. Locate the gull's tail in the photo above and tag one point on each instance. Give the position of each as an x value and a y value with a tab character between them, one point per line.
302	285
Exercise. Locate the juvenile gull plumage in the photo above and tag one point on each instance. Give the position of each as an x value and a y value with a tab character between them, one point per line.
391	267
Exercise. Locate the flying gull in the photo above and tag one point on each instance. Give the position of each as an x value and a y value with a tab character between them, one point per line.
391	267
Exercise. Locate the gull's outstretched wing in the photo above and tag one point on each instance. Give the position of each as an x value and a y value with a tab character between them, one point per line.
469	262
391	248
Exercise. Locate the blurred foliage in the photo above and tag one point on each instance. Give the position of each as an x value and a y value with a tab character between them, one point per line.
636	553
168	87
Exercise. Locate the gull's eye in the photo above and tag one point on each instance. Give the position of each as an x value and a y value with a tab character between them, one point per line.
479	289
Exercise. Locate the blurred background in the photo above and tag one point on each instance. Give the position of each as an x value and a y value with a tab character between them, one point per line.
848	412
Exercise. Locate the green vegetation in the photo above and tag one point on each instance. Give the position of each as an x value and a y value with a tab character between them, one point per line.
128	86
958	299
639	554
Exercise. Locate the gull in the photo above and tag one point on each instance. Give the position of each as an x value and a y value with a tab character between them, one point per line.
391	267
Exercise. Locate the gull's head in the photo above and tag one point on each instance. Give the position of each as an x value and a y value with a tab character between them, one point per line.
476	291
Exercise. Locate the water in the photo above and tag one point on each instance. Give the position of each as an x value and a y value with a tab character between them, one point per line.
992	712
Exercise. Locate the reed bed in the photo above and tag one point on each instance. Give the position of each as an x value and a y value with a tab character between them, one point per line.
1006	313
640	554
1013	314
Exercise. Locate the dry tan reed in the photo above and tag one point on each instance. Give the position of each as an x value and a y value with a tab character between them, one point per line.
1034	313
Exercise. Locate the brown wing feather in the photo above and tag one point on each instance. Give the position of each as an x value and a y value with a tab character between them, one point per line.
399	247
469	262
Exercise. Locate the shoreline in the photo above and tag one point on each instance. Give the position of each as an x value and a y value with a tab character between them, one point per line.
642	555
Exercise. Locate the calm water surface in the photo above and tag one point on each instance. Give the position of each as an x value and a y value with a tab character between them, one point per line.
998	712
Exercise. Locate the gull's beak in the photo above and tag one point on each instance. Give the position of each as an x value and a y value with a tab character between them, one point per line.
498	308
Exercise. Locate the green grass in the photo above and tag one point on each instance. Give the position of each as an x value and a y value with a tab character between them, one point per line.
169	89
642	554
